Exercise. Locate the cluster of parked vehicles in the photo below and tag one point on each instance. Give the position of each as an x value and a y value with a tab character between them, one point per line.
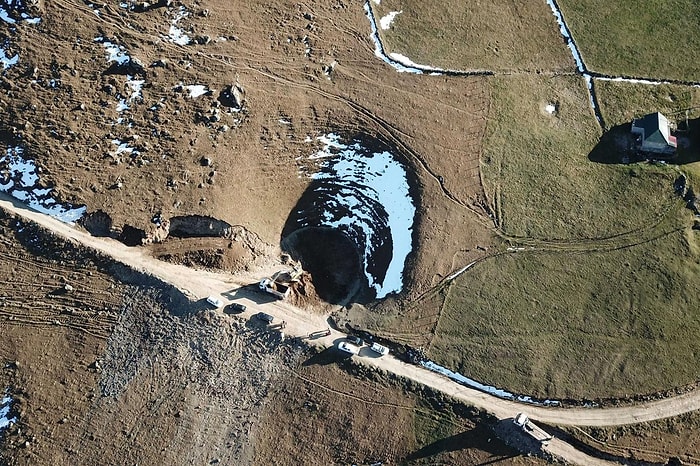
353	344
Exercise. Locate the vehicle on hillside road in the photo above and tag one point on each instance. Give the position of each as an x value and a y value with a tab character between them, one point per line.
348	348
234	308
379	349
355	340
265	317
214	301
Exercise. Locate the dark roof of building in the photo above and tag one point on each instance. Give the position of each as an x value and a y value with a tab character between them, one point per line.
656	128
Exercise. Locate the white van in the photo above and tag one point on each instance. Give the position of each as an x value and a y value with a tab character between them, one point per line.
379	349
214	301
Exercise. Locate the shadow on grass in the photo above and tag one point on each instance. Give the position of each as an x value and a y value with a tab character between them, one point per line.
480	437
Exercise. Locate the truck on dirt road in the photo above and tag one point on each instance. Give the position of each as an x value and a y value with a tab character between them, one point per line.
280	284
532	429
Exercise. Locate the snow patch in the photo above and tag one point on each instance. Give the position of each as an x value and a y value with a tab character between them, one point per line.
5	405
197	90
370	202
19	178
115	53
5	16
385	21
176	34
123	148
459	378
7	61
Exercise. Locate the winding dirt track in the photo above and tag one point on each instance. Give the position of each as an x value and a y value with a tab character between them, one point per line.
198	284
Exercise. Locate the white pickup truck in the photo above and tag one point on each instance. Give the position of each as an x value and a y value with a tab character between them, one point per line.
532	429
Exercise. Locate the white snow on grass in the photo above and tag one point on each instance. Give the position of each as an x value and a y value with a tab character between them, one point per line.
564	30
385	21
5	16
197	90
7	61
5	405
461	271
115	53
377	176
19	178
399	62
459	378
176	34
650	82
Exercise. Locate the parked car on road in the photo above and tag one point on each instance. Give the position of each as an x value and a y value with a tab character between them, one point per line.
214	301
348	347
355	340
234	308
265	317
379	349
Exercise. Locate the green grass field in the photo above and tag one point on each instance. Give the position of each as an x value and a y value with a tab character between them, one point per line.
491	35
578	324
650	38
538	175
605	288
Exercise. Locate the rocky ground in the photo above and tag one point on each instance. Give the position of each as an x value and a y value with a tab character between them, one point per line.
103	371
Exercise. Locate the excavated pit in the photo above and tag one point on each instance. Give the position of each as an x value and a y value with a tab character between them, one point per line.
352	229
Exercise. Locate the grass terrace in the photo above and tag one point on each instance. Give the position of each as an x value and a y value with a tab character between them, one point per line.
578	324
649	38
620	102
539	177
603	290
488	35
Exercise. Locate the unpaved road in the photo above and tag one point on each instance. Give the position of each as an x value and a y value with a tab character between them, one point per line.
199	284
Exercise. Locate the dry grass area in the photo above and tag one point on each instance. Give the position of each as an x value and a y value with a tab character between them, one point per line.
636	37
320	415
620	102
488	35
652	441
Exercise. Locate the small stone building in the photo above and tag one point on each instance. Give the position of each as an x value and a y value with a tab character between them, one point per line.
652	134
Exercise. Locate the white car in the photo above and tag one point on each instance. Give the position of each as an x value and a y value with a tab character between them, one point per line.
379	349
348	347
214	301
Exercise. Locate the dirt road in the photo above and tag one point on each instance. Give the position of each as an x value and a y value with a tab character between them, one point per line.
199	284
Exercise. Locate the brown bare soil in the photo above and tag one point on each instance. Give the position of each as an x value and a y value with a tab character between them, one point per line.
103	372
320	415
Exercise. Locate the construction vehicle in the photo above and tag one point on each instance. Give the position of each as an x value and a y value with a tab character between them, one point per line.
281	283
532	429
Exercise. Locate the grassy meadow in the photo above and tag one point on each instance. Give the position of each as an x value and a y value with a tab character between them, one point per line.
538	175
578	324
644	38
602	302
486	35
